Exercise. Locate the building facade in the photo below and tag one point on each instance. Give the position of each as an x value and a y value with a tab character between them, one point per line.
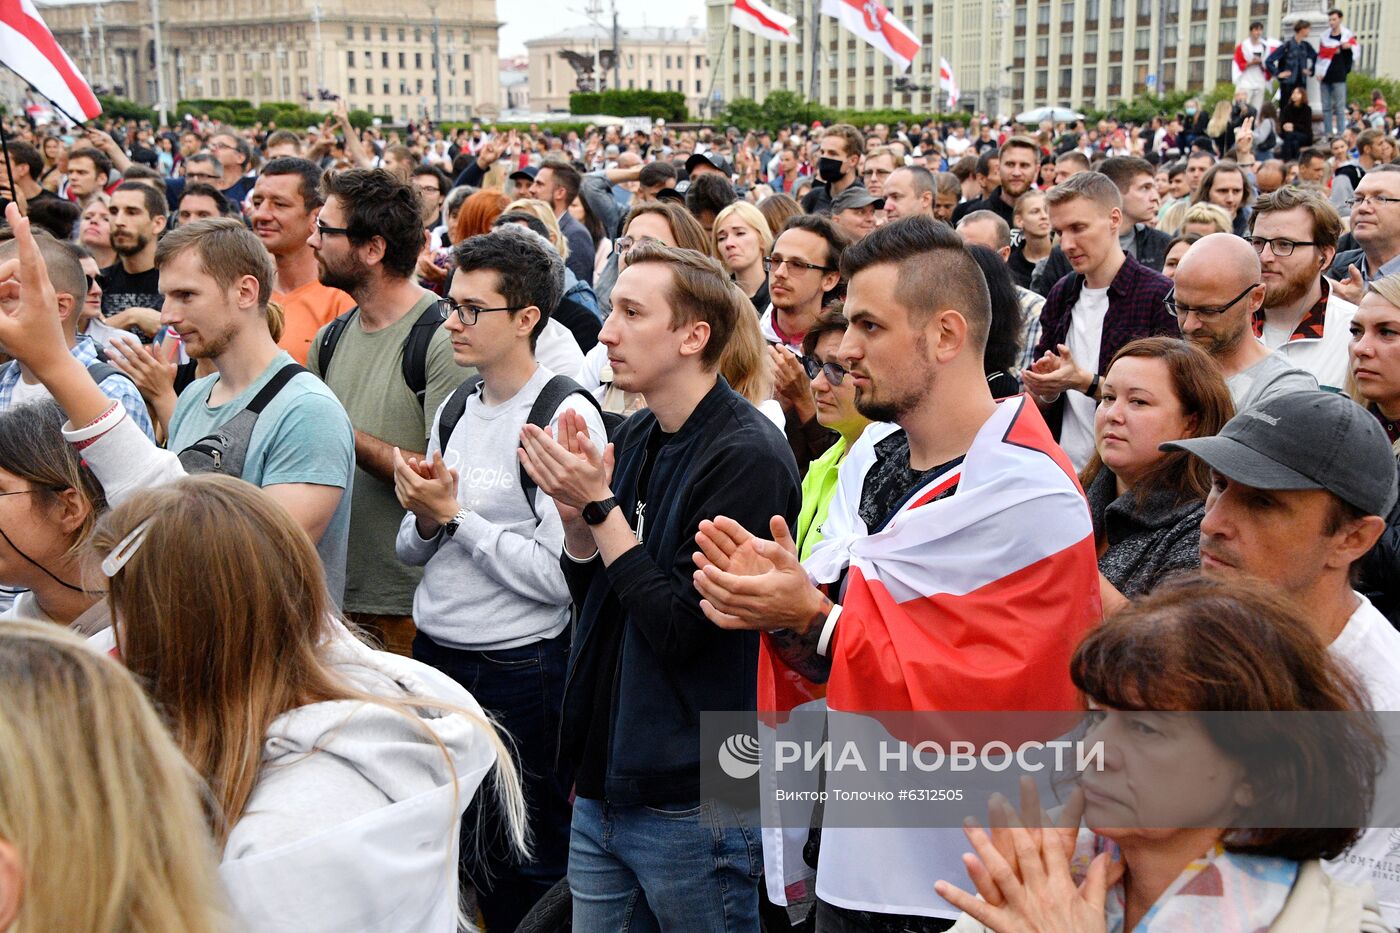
653	59
264	51
1012	55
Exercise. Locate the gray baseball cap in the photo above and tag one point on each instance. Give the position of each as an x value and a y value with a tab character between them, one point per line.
1305	440
855	197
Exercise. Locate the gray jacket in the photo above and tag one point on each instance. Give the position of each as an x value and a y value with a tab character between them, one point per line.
1145	543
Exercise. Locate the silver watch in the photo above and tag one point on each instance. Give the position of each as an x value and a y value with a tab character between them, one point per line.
451	527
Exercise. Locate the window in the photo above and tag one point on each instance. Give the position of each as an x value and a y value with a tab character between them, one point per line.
403	86
228	62
418	34
386	87
350	84
1144	8
668	84
286	86
466	61
366	33
1196	72
1091	42
651	62
1091	11
214	86
1042	81
301	58
631	84
1042	47
668	65
1042	15
697	87
350	58
267	86
350	32
1116	10
402	33
417	59
699	62
1144	41
1223	70
1066	81
383	33
1067	13
1019	49
248	86
402	58
1020	19
1198	34
419	86
265	59
1115	40
651	86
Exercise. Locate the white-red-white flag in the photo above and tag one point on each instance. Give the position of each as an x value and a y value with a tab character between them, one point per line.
871	20
1331	46
759	18
29	50
947	82
1245	52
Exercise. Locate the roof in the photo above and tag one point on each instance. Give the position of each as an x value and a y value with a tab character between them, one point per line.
627	33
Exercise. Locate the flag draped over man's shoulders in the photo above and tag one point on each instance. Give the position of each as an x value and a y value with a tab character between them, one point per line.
1331	45
972	597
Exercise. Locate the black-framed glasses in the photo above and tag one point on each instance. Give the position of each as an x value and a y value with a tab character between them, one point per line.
773	262
835	372
1282	246
326	231
446	306
1181	310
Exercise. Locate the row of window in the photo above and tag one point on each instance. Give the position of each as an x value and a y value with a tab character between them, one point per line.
631	85
451	34
419	87
1195	76
368	60
211	61
1143	8
672	62
1142	42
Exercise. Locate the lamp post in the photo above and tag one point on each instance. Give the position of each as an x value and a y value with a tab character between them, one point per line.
162	102
437	63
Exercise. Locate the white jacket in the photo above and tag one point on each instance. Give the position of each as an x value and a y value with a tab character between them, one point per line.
354	821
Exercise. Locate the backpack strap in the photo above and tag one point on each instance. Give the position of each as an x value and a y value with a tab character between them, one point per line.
330	338
415	350
547	403
453	408
274	385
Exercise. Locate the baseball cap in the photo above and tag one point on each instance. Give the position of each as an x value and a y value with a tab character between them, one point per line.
672	194
1305	440
853	197
713	159
528	173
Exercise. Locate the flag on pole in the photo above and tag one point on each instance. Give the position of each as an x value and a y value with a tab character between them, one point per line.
1331	46
759	18
947	82
871	20
29	50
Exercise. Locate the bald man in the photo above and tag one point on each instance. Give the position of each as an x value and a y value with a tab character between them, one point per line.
1218	288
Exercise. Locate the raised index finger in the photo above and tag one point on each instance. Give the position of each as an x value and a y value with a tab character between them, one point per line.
33	271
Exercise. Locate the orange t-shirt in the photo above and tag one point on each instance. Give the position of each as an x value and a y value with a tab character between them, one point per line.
307	310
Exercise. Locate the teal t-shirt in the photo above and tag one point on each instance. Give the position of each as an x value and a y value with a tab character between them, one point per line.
302	436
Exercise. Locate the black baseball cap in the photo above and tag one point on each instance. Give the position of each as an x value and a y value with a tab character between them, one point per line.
1305	440
528	173
855	197
713	159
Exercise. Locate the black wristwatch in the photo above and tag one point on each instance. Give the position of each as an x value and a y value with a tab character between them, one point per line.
451	527
595	513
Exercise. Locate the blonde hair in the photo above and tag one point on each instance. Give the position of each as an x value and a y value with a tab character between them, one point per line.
225	651
750	215
537	208
98	801
744	361
276	320
1204	213
1219	120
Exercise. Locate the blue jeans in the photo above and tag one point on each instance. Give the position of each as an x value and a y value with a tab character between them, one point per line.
523	690
1334	108
691	866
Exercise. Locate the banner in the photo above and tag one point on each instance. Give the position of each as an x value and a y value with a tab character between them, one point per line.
947	82
29	50
870	20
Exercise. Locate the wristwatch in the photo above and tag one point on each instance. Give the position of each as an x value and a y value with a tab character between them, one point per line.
451	527
595	513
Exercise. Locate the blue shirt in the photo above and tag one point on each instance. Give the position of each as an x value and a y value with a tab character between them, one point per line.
302	436
115	387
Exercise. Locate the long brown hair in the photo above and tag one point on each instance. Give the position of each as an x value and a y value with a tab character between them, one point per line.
1200	388
1201	644
477	213
224	614
685	228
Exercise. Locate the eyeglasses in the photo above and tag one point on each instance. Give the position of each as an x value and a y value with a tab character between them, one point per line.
877	173
200	176
216	146
1374	199
835	372
1181	310
1281	246
446	307
773	262
325	231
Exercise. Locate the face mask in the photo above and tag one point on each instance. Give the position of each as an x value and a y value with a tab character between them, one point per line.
1190	111
829	170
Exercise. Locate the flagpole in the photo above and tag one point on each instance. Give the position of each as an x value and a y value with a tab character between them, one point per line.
709	102
813	14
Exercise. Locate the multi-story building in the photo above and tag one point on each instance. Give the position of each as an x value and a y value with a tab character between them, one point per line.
652	58
388	62
1011	55
1093	53
851	74
515	84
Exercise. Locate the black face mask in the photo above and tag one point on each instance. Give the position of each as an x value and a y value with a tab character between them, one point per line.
829	170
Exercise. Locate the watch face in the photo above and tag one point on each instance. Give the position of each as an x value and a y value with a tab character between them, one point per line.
597	512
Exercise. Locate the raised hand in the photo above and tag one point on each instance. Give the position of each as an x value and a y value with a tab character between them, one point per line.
30	329
572	473
748	582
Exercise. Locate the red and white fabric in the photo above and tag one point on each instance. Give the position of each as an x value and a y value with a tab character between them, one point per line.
973	601
759	18
947	82
1330	46
1240	66
871	21
28	48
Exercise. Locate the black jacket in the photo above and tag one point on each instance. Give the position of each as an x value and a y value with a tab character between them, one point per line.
727	459
991	202
1150	244
1378	573
1294	56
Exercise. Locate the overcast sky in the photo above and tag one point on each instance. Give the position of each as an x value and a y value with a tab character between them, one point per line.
529	20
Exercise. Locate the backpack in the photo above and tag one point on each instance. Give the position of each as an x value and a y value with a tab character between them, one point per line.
225	450
415	347
554	393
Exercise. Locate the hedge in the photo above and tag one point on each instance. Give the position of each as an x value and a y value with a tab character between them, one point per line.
659	105
784	108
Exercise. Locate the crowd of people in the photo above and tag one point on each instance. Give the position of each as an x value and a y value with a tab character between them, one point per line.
384	615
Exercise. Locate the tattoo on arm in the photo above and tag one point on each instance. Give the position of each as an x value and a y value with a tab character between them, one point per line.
799	652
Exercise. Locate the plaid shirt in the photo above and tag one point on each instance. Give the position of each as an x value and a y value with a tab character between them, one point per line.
1031	305
1136	308
116	387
